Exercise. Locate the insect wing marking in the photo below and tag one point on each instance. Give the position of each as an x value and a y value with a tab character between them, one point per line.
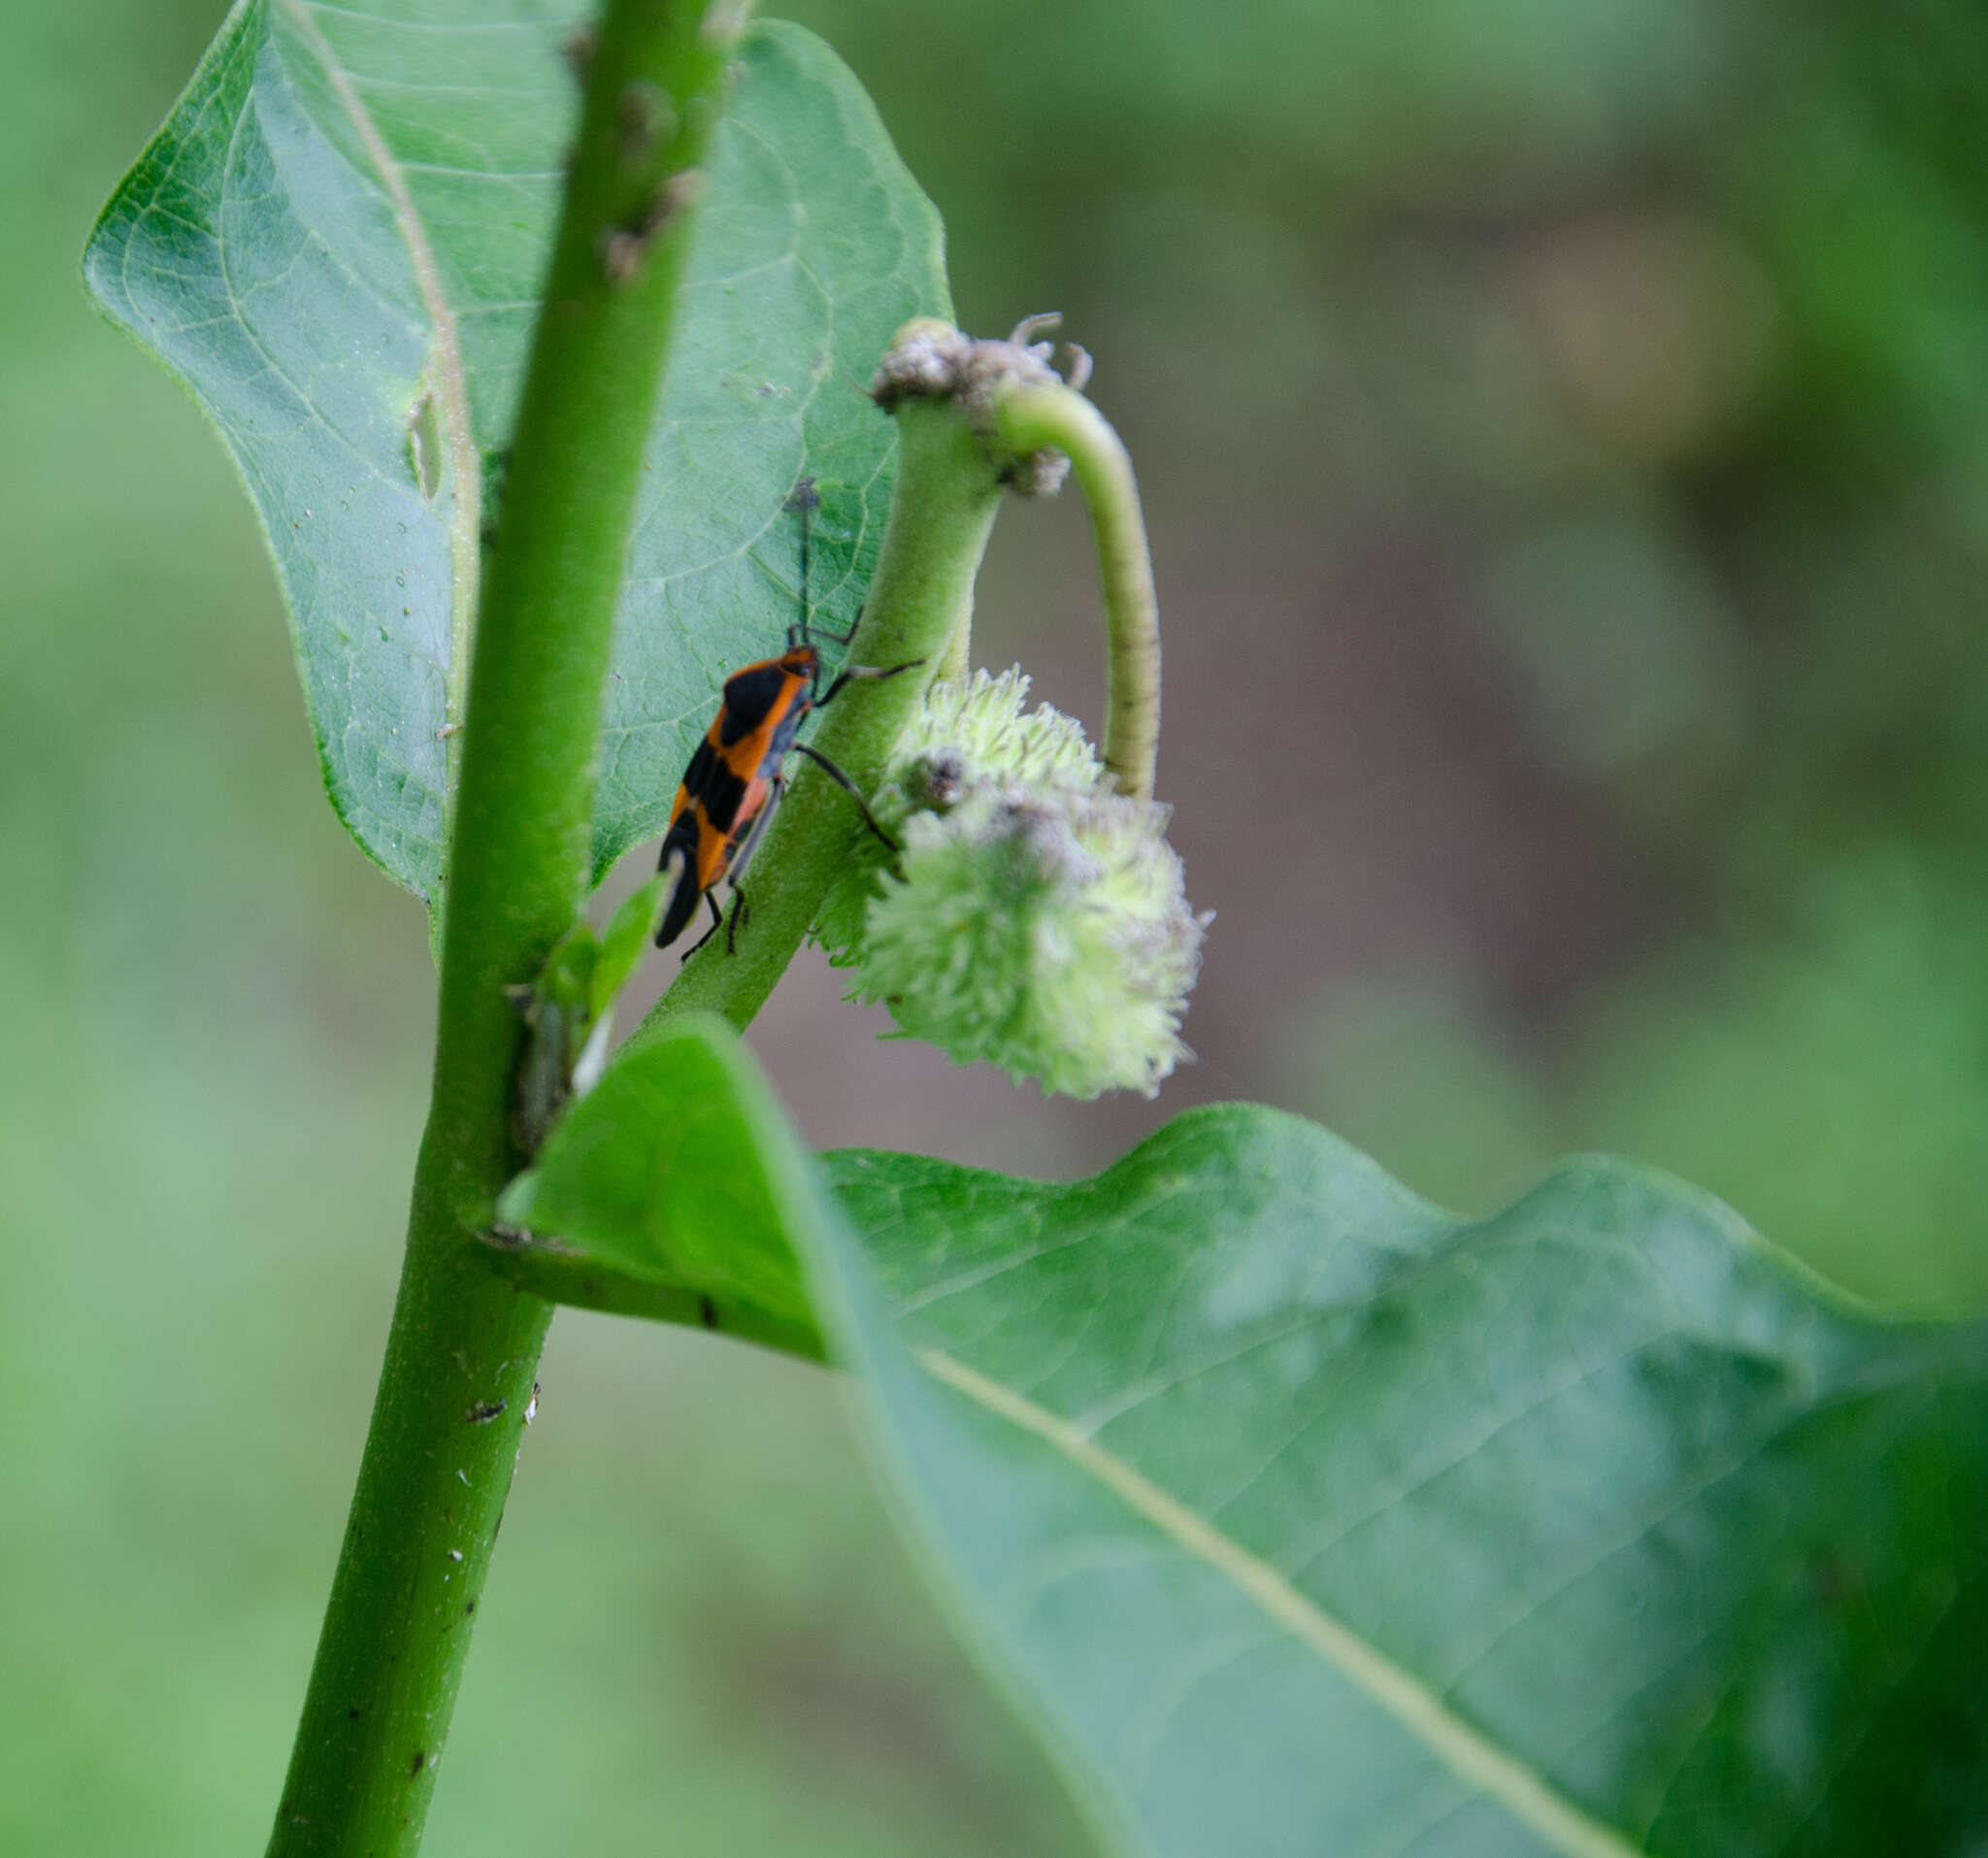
751	695
714	783
684	844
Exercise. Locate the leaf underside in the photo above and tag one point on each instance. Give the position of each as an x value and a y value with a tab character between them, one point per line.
1314	1520
337	242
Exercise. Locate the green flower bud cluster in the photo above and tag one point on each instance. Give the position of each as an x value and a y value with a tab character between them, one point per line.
1033	918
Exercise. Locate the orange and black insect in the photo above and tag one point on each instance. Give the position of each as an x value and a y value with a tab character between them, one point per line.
737	776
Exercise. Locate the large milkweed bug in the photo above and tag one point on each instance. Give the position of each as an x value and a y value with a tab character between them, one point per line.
736	777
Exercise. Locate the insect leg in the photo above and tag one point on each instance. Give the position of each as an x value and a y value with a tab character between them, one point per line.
716	923
868	674
838	637
848	785
804	501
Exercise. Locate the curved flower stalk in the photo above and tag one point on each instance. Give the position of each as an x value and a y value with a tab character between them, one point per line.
1021	903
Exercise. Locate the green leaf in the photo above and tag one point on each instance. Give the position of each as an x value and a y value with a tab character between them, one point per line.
624	943
676	1189
1315	1520
337	242
1321	1522
568	1011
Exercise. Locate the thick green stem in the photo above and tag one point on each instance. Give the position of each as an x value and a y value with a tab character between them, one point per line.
1029	417
458	1373
958	662
949	492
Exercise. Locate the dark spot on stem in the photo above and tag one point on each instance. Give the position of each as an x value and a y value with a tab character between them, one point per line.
706	1312
484	1412
645	118
623	248
421	1761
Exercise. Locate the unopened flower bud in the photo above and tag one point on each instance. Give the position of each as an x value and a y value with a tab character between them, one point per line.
1033	918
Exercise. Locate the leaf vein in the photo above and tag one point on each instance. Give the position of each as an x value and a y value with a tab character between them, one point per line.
1491	1770
451	382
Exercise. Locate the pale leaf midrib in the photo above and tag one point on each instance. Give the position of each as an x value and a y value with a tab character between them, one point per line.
1466	1751
449	383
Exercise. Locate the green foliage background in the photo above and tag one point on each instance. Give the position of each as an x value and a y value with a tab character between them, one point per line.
1614	366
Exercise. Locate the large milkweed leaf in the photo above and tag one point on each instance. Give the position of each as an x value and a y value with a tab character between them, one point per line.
337	241
1319	1523
1326	1523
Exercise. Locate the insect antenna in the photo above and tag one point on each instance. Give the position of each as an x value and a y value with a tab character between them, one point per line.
804	501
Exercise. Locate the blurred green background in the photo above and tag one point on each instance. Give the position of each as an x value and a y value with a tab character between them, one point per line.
1564	433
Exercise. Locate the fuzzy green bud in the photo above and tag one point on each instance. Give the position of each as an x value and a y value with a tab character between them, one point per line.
1033	918
964	738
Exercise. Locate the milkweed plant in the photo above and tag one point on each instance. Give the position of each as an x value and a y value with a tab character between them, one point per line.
1299	1517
